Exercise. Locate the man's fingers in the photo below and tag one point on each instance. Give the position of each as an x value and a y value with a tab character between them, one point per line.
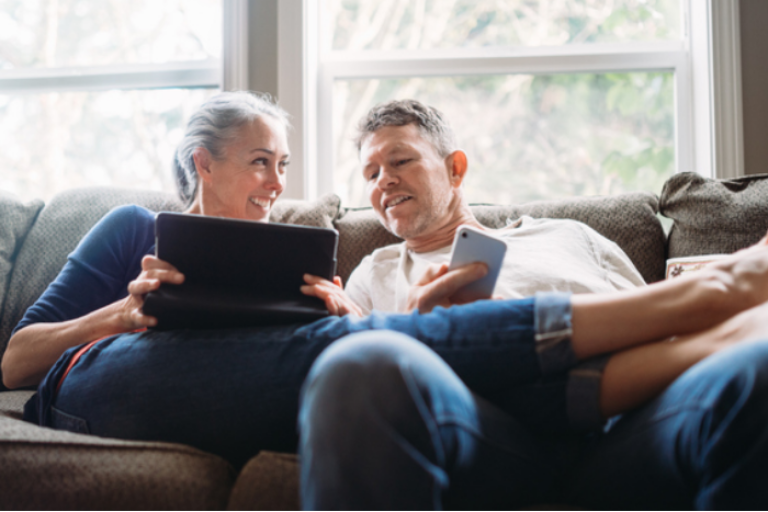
456	279
433	272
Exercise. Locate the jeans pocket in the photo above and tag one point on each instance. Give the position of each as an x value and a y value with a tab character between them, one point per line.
61	420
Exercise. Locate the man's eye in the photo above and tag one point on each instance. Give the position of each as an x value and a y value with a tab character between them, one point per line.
372	176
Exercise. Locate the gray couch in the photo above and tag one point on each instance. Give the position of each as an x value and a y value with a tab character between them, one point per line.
42	469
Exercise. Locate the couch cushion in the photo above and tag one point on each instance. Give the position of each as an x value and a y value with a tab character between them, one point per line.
714	216
17	218
42	468
628	219
269	481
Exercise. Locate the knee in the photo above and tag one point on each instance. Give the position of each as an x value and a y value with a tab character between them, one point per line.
356	372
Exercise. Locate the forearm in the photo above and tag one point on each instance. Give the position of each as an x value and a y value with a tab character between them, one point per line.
607	323
33	350
634	376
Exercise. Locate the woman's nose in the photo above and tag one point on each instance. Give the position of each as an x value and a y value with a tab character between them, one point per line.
275	179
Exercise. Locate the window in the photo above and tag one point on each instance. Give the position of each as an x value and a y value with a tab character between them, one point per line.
97	92
549	99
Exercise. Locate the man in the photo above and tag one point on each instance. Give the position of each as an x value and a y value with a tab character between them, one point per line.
386	424
414	174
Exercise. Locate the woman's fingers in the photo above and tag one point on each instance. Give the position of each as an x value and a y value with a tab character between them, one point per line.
142	320
165	275
143	286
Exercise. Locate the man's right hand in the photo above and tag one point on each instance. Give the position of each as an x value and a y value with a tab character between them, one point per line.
438	285
154	271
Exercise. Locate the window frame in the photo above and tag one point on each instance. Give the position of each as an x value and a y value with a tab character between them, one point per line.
705	63
228	73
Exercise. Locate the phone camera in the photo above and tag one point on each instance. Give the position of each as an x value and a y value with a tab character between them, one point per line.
464	235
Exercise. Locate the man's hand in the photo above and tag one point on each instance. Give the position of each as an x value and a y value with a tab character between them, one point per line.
332	293
153	272
437	285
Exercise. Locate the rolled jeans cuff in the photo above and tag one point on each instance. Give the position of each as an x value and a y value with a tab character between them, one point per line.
552	319
583	394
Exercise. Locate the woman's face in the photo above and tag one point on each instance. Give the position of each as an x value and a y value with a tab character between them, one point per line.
251	175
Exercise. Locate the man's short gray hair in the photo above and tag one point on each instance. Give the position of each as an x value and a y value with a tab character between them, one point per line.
213	127
429	120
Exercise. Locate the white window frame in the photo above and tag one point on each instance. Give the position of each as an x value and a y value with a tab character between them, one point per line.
705	62
228	73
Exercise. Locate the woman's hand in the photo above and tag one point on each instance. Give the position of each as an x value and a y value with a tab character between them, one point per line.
332	293
153	272
438	284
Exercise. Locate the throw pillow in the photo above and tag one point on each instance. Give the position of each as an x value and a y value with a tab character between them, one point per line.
15	220
714	216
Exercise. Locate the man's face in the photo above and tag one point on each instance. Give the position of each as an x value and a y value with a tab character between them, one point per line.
408	182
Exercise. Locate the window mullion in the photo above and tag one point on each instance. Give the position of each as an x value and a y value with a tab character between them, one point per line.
99	78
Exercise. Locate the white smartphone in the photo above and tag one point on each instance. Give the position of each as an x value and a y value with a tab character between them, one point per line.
471	245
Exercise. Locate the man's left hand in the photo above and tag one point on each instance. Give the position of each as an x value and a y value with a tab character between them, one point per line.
336	300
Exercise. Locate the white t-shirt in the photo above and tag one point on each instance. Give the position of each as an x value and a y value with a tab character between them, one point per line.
542	255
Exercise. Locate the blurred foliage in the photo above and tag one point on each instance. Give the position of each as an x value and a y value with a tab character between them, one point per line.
411	24
57	140
528	137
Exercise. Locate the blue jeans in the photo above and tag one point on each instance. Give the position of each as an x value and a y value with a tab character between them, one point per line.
386	424
235	392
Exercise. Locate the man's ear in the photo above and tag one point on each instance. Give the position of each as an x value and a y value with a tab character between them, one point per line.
457	165
203	159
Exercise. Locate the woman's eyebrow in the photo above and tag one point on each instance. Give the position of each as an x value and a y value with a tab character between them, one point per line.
265	150
270	152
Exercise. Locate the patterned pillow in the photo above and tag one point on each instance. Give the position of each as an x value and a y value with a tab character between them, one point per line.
16	219
628	219
714	216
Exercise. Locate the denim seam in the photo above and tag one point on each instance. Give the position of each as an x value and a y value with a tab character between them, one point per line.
448	421
553	331
583	394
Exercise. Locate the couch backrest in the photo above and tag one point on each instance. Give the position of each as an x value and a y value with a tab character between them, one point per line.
629	220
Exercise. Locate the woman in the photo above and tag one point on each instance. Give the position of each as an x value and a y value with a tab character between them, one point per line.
234	392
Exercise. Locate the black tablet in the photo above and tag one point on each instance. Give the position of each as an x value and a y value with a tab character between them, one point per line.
238	273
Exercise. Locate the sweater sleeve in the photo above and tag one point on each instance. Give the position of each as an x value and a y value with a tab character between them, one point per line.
98	271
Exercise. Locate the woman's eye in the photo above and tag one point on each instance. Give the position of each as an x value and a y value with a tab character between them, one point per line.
402	162
373	176
260	161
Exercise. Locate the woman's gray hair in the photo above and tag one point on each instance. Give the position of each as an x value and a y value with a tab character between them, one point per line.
213	127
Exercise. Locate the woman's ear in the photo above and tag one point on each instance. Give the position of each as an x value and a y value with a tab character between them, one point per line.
203	159
457	164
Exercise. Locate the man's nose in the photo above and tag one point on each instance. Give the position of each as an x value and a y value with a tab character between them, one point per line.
387	177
